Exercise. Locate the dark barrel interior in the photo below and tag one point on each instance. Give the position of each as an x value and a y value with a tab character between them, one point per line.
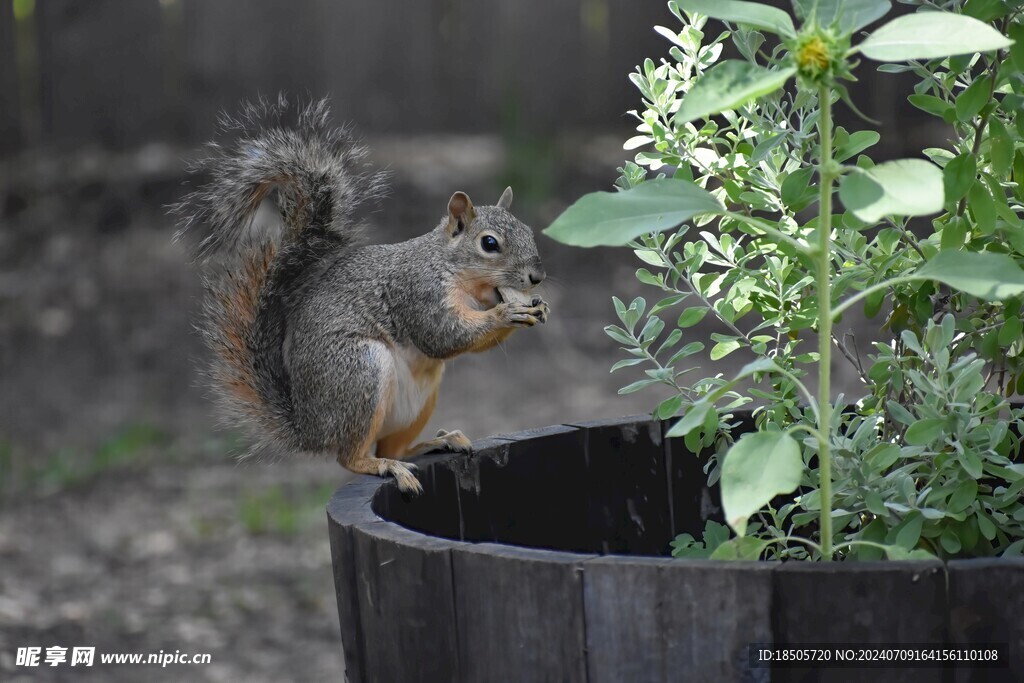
608	487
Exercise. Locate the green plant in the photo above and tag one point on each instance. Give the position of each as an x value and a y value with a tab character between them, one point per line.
66	468
275	510
921	463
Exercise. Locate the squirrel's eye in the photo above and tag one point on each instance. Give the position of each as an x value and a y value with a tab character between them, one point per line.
489	244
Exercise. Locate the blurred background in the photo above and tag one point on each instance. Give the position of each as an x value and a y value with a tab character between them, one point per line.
125	524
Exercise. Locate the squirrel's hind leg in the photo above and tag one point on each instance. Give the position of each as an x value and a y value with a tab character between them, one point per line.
397	445
356	456
360	461
382	467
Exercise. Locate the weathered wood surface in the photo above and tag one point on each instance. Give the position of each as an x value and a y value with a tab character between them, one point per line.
124	72
660	620
519	614
10	123
986	605
348	507
543	505
625	486
100	71
860	603
450	504
406	605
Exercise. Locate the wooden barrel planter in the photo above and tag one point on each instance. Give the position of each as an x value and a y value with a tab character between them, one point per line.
543	557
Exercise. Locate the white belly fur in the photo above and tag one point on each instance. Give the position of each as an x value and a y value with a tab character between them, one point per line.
415	378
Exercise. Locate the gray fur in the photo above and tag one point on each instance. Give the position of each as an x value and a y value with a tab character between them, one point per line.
326	304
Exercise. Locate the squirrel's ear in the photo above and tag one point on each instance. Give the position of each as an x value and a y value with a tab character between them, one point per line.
506	199
460	213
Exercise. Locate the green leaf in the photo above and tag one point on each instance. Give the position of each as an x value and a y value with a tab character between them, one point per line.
949	541
766	146
752	14
650	257
729	85
742	548
972	100
635	310
672	339
1000	147
1016	32
895	552
684	546
857	143
982	207
691	316
930	104
954	234
907	187
971	463
882	456
1010	331
619	335
760	466
637	386
963	496
910	531
715	534
850	15
985	10
873	303
958	176
795	185
724	348
900	414
627	363
668	407
688	350
647	277
923	432
928	35
755	366
1015	549
667	302
986	526
873	532
874	504
615	218
693	418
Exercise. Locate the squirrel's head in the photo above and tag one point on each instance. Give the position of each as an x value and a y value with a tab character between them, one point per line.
492	248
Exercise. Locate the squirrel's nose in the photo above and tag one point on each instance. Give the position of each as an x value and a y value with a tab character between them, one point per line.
537	275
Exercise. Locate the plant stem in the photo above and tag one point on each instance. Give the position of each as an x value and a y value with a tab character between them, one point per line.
979	130
826	175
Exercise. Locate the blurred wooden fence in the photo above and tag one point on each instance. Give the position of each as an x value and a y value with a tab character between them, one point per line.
119	73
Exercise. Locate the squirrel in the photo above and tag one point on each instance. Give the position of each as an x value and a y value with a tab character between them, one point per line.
323	343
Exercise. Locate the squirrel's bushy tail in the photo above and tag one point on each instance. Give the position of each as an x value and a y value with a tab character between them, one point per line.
319	177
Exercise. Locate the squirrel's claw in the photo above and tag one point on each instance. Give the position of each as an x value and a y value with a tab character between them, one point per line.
454	441
521	315
403	474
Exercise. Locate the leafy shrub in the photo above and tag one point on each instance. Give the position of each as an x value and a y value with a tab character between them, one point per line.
924	462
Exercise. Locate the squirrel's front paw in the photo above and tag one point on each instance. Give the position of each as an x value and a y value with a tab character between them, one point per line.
454	441
525	315
403	472
543	305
